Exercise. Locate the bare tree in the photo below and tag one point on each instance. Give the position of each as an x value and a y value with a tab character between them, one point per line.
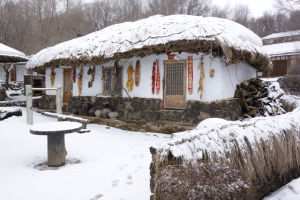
241	15
169	7
287	5
293	22
221	12
7	68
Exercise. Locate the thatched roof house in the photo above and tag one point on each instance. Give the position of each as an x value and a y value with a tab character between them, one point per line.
10	55
12	64
158	34
173	61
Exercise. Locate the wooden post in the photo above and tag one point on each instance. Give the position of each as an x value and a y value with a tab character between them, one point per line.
59	100
56	150
29	115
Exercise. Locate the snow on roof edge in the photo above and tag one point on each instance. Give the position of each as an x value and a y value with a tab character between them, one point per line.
282	49
6	51
281	34
152	31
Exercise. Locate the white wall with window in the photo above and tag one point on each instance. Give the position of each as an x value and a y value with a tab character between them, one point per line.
221	86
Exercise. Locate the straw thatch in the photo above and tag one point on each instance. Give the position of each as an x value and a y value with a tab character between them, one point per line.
265	153
156	35
11	59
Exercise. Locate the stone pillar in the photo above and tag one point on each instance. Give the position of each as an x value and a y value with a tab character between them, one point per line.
56	150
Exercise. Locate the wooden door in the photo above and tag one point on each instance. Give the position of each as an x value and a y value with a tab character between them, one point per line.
68	85
175	84
13	74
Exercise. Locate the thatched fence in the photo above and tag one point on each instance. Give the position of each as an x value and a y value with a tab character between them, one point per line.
229	160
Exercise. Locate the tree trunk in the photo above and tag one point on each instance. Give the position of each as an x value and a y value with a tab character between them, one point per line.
6	78
56	150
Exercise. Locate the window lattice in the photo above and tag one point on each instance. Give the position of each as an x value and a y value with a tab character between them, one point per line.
174	78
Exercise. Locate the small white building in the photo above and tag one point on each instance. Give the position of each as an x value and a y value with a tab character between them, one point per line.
14	61
176	60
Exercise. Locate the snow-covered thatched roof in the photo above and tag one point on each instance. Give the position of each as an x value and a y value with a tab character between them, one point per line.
282	34
157	34
283	49
8	54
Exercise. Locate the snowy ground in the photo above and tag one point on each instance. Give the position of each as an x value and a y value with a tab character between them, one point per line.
114	164
290	191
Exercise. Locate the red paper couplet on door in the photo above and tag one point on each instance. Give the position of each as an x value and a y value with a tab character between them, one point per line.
171	56
190	74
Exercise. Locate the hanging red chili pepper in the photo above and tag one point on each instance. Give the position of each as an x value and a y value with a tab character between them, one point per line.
74	74
190	74
157	78
153	77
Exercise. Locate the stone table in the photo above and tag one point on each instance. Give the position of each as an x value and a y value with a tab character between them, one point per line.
55	132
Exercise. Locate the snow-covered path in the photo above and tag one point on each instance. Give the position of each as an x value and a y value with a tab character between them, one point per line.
114	164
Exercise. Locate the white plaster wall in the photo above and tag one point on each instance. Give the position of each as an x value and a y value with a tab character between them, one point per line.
58	79
2	75
221	86
21	70
97	85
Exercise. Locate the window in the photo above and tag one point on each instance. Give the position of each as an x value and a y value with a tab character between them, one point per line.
112	80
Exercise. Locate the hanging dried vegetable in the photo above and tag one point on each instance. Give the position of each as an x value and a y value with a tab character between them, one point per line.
129	83
74	74
79	81
91	72
114	73
202	76
157	78
211	71
153	77
137	72
190	74
52	76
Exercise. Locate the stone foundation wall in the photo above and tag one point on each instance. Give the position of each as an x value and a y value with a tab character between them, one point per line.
141	109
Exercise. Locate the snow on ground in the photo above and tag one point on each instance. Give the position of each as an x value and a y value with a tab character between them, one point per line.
290	191
114	164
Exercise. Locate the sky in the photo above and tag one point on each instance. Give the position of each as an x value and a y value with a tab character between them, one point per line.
257	7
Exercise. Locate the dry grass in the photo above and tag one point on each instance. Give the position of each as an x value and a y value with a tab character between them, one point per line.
257	60
265	166
199	181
